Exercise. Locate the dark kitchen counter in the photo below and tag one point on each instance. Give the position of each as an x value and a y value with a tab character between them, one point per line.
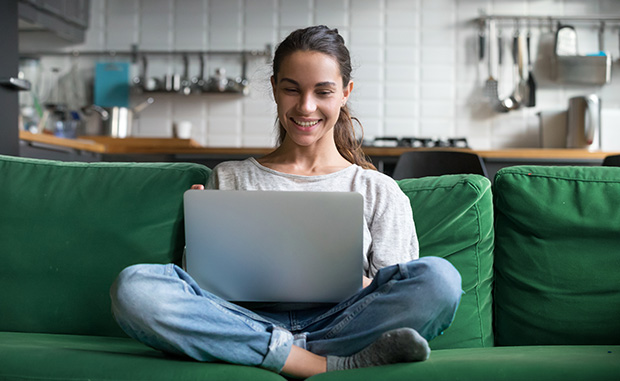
107	145
100	148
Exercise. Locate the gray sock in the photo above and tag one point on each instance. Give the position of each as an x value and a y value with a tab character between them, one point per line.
395	346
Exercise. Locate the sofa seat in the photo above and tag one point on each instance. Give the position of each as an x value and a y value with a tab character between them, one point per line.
34	356
531	363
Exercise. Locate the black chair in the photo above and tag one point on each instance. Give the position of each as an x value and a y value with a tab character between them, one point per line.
415	164
612	161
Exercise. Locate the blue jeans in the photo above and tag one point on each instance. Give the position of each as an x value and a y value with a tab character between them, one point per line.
161	306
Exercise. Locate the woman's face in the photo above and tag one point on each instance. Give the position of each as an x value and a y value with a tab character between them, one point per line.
309	94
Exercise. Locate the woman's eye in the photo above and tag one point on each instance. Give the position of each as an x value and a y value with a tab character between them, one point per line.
290	90
325	92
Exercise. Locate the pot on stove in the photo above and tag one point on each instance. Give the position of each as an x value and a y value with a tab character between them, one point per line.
116	122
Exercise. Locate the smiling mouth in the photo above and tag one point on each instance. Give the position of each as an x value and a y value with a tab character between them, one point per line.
305	124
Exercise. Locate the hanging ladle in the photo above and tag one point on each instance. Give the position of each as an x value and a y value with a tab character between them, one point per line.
513	102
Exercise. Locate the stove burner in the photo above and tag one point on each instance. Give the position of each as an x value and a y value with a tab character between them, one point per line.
390	141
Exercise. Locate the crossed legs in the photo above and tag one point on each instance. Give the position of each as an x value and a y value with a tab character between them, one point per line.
389	321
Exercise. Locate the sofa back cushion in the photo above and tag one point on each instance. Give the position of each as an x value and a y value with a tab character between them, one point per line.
68	229
454	220
557	255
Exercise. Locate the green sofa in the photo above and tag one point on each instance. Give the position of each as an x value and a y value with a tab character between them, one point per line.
539	255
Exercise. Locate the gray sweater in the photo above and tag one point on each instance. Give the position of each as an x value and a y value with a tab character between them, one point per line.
389	231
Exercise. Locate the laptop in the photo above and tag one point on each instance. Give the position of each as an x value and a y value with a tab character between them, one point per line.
275	246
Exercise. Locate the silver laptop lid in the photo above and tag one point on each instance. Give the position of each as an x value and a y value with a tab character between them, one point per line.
274	246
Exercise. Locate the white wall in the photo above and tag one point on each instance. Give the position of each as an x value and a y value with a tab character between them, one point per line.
416	67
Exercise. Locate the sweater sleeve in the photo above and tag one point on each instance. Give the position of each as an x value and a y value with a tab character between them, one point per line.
394	238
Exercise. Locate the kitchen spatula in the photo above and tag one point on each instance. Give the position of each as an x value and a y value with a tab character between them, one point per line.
531	82
490	86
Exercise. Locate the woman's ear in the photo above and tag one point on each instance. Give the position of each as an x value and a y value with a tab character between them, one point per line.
273	86
347	92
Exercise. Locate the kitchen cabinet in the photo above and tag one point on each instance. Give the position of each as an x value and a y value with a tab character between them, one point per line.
68	19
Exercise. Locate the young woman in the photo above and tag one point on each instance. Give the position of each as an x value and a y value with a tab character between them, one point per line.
405	301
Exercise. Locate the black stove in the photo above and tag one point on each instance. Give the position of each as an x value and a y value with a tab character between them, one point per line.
390	141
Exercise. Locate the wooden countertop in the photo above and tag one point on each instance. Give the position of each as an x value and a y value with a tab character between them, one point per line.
78	144
105	144
510	153
108	145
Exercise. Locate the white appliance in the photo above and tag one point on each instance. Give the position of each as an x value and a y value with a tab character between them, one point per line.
583	123
577	127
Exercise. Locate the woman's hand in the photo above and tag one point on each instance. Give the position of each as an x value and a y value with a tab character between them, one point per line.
198	187
366	281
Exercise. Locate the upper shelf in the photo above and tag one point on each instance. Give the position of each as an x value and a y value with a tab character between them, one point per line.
68	19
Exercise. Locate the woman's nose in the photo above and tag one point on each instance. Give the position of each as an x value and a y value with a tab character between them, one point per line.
306	103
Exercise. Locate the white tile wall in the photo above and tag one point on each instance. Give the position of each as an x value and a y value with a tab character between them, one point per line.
416	69
121	23
190	25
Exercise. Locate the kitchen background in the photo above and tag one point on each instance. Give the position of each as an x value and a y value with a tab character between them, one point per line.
417	69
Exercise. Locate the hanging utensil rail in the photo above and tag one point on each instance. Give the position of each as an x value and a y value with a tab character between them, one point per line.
585	18
135	53
237	85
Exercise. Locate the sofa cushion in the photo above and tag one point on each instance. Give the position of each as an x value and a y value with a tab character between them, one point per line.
68	229
29	356
454	220
557	255
535	363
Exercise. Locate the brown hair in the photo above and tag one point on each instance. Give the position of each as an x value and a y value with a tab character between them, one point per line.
327	41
